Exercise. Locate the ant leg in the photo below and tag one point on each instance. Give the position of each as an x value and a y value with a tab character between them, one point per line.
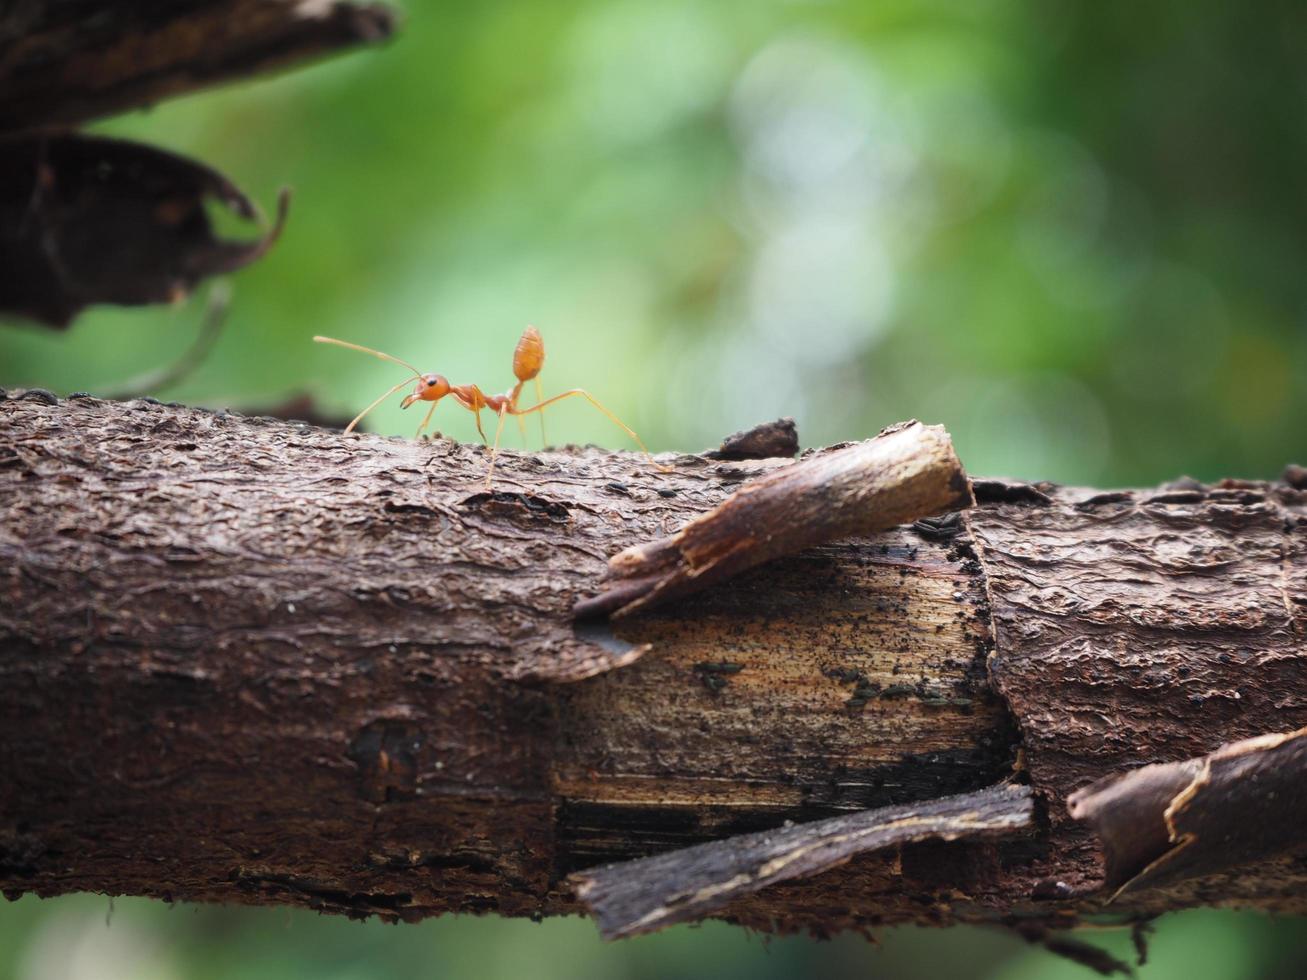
477	413
513	396
540	396
599	405
426	421
494	451
358	418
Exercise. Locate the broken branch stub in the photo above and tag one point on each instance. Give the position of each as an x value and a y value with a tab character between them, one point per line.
770	440
908	471
1245	802
63	64
636	897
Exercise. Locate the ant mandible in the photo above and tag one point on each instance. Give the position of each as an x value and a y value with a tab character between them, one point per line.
528	359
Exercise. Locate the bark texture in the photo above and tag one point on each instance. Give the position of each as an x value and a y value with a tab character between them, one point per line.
244	660
1142	627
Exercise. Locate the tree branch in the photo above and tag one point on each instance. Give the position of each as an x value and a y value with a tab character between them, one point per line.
246	660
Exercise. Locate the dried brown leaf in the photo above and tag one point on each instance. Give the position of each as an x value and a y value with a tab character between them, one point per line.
87	219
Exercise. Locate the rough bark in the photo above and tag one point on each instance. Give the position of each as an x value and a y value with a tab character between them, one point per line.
243	660
1165	623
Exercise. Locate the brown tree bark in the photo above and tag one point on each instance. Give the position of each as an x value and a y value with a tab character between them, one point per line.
245	660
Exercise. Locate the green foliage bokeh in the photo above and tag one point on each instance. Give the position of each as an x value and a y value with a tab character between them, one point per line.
1073	233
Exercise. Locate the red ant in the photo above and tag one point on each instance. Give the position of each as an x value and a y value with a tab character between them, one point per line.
528	359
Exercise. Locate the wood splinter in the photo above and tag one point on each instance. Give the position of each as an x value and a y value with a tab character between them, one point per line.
635	897
908	471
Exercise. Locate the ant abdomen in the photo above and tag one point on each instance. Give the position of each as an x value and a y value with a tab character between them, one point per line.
529	355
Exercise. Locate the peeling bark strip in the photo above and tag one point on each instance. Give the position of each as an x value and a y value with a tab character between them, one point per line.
1245	802
67	63
87	219
907	472
644	896
243	660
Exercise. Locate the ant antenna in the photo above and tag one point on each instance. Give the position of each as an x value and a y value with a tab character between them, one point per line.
385	357
368	350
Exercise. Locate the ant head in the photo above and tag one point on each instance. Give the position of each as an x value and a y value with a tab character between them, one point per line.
430	388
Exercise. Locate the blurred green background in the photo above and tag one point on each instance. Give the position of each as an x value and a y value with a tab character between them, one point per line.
1071	232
